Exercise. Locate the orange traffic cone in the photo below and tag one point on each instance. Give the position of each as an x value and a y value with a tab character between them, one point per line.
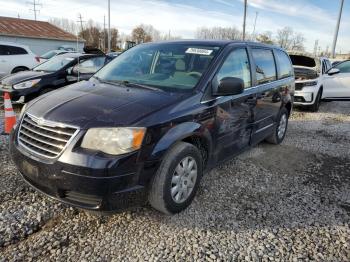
10	117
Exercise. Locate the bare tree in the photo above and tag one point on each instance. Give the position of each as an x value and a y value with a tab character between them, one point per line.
65	24
265	38
139	35
225	33
288	39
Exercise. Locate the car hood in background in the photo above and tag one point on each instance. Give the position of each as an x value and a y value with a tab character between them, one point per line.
22	76
305	73
90	104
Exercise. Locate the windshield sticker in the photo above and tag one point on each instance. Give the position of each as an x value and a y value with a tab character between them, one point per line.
198	51
69	58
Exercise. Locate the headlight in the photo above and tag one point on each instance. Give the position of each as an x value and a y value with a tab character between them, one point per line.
313	83
114	141
26	84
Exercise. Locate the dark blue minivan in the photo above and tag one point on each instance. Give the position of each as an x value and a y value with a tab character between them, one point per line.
147	125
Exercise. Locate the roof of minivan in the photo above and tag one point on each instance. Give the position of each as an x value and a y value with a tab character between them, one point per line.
215	42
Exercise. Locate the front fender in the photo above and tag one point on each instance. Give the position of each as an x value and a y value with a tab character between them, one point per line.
178	133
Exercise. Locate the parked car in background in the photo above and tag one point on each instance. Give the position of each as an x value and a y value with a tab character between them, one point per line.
114	54
57	72
15	58
48	55
147	125
337	82
309	77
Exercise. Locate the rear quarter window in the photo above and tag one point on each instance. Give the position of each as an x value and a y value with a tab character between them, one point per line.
12	50
284	65
265	65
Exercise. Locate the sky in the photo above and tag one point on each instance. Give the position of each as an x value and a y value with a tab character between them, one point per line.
315	19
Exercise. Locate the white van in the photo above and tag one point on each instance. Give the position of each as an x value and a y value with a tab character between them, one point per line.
15	58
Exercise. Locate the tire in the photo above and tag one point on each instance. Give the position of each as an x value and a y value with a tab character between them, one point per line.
279	131
19	69
171	178
316	105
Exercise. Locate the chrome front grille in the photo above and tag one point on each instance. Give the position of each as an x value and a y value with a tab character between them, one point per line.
43	137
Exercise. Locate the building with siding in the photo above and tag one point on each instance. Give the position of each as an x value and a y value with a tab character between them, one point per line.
39	36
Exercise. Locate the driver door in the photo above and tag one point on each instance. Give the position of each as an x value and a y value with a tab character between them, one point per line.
337	85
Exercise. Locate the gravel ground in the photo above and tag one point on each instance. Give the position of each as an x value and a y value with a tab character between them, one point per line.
272	203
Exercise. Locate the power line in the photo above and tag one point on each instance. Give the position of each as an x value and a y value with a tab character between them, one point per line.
35	10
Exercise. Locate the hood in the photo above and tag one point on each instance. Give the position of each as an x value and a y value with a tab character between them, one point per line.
22	76
305	73
92	104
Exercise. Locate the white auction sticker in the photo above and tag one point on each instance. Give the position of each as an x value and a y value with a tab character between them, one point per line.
198	51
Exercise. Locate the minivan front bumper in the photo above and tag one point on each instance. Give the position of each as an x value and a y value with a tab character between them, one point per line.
115	183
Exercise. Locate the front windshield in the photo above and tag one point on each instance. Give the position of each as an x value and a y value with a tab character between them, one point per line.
166	66
54	64
49	55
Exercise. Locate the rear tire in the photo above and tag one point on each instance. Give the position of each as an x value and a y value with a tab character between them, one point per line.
280	130
177	179
316	105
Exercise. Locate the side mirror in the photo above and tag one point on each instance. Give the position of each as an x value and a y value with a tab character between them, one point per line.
75	70
228	86
333	71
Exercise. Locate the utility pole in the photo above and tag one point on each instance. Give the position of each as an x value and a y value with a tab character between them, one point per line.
35	10
104	33
80	21
244	18
256	17
315	47
109	26
337	28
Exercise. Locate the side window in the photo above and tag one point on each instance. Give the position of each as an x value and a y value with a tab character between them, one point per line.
91	65
285	66
344	67
265	65
3	50
14	50
324	67
328	65
236	65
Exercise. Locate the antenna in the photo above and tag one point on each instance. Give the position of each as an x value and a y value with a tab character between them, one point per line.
35	5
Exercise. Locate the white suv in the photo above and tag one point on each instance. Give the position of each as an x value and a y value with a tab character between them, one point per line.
310	73
15	58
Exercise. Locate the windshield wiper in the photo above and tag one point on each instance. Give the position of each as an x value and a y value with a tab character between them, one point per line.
133	84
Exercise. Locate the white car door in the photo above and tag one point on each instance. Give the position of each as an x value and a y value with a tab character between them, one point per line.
338	85
4	63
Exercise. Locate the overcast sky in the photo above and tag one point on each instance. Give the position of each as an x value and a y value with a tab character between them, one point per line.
316	19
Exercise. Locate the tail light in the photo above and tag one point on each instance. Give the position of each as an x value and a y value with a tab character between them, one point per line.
37	59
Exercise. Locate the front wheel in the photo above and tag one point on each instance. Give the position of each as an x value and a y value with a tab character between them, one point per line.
177	179
316	105
279	132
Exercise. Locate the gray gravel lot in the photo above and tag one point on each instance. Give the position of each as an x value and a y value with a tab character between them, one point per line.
272	203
